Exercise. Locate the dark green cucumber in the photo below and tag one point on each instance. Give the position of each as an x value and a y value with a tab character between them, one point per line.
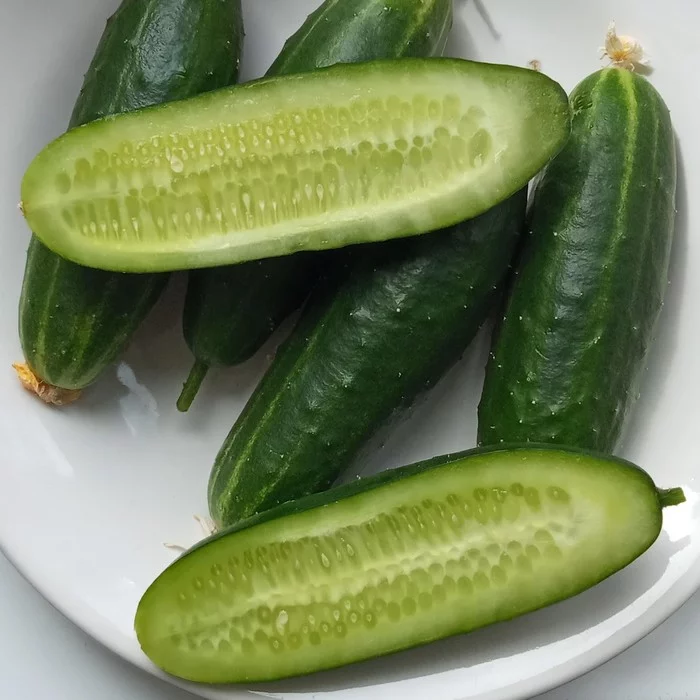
367	344
348	31
73	320
567	359
410	556
230	312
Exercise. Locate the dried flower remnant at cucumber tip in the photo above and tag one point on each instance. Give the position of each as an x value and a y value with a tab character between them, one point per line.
52	395
623	51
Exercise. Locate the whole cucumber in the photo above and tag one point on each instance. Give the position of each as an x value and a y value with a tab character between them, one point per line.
231	311
367	344
567	358
73	320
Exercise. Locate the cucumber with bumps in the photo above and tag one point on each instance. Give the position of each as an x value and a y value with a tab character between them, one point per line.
231	311
343	155
74	320
371	339
567	358
398	560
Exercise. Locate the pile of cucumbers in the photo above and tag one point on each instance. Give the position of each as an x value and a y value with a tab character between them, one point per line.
383	188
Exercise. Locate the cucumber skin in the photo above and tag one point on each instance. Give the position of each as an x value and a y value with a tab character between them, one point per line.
357	487
230	312
567	359
371	339
348	31
583	459
73	320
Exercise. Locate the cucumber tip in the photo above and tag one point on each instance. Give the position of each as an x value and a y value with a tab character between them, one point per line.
48	393
191	387
623	51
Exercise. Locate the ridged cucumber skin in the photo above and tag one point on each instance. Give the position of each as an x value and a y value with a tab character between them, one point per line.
349	31
567	359
361	540
74	321
230	312
369	341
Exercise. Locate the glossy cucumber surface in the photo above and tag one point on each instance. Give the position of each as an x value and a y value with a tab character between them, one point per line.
309	161
576	332
370	340
401	559
73	320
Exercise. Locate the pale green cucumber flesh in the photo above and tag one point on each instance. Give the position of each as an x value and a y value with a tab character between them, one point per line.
384	564
342	155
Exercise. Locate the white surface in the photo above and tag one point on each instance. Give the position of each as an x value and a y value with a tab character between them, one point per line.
86	524
45	657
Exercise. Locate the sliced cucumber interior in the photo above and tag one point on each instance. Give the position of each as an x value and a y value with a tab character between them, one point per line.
343	155
424	553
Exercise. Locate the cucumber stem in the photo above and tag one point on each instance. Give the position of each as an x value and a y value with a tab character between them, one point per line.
671	497
192	386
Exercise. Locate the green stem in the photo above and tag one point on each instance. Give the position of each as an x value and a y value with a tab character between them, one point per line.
671	497
192	385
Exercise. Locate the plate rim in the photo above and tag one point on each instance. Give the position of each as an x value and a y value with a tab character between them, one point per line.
670	602
79	613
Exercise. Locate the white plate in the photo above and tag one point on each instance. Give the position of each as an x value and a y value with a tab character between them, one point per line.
89	494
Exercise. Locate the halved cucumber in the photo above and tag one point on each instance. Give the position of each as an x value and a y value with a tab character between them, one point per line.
231	311
401	559
346	154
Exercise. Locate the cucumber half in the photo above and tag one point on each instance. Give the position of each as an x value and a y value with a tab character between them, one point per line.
401	559
347	154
